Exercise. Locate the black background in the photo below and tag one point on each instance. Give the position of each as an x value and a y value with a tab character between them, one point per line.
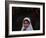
18	14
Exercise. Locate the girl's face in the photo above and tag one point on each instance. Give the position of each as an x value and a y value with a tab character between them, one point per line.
26	23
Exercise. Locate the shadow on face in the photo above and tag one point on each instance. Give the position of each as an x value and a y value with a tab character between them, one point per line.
26	23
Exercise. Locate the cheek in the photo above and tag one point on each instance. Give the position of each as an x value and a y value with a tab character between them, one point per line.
26	24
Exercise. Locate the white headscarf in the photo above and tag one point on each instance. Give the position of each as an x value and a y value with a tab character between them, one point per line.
30	25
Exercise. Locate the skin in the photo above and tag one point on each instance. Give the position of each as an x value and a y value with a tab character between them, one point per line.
26	24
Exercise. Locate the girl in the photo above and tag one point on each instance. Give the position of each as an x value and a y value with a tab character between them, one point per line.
26	25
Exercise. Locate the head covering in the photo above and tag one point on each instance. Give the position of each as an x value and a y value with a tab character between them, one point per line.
30	25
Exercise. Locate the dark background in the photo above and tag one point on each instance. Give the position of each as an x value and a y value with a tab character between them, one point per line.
19	13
